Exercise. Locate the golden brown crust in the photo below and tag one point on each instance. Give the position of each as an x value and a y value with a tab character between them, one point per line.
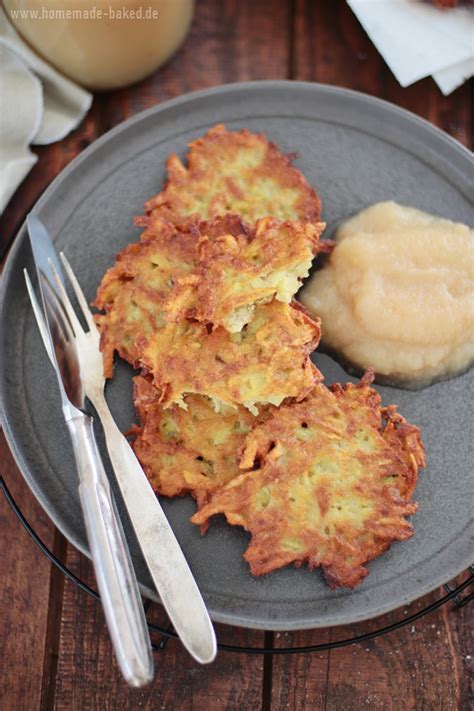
234	172
234	273
133	291
333	485
267	362
188	451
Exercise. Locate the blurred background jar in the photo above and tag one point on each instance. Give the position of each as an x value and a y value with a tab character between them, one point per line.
103	44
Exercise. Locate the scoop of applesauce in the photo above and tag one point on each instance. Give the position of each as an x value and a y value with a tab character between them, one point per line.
397	294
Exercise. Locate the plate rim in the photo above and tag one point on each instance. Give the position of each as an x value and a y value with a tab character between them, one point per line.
230	617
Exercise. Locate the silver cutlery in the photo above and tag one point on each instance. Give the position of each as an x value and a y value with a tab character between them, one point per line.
165	560
113	568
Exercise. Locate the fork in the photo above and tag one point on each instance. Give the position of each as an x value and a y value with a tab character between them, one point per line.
165	560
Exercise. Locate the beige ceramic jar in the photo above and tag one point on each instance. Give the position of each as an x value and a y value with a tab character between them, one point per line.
103	44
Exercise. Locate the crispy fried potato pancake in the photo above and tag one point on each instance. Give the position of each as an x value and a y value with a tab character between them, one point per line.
235	172
133	291
267	362
175	271
233	274
333	485
188	451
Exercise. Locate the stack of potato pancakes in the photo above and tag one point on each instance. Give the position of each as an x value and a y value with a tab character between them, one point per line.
231	408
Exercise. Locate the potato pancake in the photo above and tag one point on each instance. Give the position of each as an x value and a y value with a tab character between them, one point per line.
334	478
235	172
265	363
133	291
188	451
234	273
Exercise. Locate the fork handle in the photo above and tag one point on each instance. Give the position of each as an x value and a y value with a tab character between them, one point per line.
112	565
166	563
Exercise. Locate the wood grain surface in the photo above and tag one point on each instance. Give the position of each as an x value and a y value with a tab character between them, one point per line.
55	652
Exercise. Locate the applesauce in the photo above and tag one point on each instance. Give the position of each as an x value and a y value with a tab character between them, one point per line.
103	44
397	294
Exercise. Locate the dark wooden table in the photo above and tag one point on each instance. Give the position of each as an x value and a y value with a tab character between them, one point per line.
54	648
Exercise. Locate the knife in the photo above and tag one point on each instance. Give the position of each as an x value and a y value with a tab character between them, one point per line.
113	568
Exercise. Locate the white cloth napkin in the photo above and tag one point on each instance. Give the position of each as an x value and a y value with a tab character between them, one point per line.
418	39
38	106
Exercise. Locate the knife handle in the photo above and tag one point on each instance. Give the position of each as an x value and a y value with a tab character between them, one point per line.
166	562
114	573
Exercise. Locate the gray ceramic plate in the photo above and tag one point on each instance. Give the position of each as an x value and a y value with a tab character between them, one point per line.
356	150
